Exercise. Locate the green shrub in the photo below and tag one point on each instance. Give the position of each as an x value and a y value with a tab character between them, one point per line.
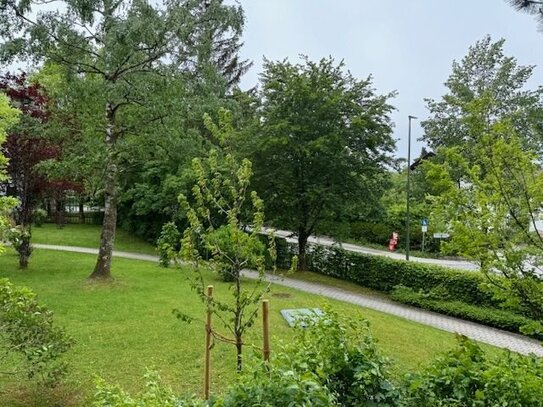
39	216
331	362
335	362
383	274
29	334
270	386
466	377
168	243
489	316
155	395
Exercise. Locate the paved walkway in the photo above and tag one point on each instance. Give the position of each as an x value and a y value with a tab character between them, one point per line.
492	336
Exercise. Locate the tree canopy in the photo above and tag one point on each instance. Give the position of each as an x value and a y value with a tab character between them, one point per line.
322	145
496	81
126	61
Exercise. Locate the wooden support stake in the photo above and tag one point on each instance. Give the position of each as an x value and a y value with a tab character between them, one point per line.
266	330
207	367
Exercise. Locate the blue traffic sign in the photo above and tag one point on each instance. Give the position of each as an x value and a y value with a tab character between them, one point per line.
424	222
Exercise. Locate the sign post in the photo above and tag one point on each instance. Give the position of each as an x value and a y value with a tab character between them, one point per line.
424	224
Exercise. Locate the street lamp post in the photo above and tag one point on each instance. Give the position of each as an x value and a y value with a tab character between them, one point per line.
408	187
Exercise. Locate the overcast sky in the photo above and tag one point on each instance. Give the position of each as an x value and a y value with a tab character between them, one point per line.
407	45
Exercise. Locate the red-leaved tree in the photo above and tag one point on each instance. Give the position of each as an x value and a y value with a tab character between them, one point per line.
28	145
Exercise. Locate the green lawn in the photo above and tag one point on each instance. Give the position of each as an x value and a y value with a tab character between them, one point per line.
124	327
88	236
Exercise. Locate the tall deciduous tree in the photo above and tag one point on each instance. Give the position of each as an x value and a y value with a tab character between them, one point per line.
485	72
323	142
494	217
125	58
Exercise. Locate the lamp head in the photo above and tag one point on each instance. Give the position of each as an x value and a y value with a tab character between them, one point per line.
412	117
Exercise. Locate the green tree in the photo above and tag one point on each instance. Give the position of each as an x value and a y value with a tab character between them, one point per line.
158	167
125	61
323	142
217	211
485	72
493	215
8	117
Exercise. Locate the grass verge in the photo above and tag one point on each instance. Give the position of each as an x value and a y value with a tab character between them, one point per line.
88	236
124	327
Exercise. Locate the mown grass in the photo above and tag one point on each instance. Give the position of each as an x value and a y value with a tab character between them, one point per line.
124	327
88	236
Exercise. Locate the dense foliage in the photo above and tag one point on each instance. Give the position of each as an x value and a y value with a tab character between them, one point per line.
9	116
330	362
29	340
321	147
129	65
27	147
466	376
493	220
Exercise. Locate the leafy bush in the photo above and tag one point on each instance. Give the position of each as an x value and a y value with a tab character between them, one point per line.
383	274
332	362
466	377
168	243
16	235
28	331
489	316
155	395
270	386
39	216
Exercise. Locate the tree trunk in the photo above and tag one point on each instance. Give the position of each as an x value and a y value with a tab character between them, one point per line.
302	247
24	249
238	330
102	270
81	212
239	349
60	215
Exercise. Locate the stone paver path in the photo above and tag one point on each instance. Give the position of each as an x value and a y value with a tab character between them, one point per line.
492	336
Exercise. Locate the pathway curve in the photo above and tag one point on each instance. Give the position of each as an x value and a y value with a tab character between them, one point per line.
492	336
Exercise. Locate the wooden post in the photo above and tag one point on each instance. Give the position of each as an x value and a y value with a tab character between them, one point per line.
266	330
207	366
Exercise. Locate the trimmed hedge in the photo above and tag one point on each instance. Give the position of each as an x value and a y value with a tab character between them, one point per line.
384	274
488	316
447	291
